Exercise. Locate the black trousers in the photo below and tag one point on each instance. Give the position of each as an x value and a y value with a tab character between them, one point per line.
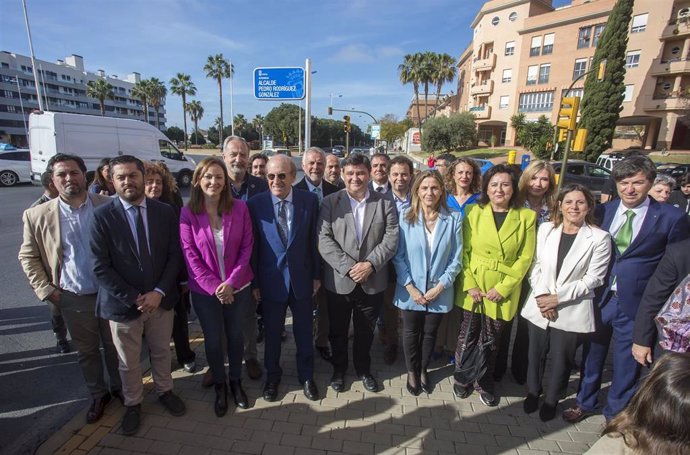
562	346
518	362
363	309
419	338
180	332
57	321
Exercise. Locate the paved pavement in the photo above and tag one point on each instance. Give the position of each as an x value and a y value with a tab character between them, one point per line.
351	422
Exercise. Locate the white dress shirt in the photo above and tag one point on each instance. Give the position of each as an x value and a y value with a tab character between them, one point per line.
358	208
619	220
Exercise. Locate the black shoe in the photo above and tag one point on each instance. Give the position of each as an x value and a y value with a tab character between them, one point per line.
131	420
98	405
547	412
415	391
530	404
172	403
310	390
325	352
270	391
427	386
488	398
239	394
338	382
462	391
369	383
189	367
63	346
221	404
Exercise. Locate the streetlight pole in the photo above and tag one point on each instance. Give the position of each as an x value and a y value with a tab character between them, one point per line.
232	116
33	57
307	104
21	105
336	95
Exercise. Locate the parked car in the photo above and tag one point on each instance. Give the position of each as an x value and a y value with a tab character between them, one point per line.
362	150
591	175
338	150
15	166
677	172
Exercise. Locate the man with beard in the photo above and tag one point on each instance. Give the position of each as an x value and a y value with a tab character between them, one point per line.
333	171
55	257
258	165
136	259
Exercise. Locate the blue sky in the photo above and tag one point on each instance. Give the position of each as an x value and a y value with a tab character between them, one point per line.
355	46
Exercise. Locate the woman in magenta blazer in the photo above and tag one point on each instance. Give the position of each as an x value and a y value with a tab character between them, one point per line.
217	241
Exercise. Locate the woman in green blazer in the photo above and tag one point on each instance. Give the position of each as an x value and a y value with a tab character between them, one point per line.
498	247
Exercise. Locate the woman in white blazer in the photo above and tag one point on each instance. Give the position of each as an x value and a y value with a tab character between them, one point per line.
428	259
571	262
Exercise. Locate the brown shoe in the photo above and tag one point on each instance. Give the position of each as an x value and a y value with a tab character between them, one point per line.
207	380
575	414
253	368
390	353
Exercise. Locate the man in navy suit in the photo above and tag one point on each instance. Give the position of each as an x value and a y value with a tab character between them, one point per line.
286	265
641	228
136	259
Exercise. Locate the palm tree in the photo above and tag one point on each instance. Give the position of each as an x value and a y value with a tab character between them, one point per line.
240	123
157	92
182	85
100	89
409	74
218	68
444	71
425	61
140	91
258	125
196	111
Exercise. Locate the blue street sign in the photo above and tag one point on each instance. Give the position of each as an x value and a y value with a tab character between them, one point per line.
279	83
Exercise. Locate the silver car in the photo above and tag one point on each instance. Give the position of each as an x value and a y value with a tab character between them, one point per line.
15	167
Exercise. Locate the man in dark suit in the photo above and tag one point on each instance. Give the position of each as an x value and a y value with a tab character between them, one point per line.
244	186
333	171
314	166
671	271
379	173
286	267
136	259
641	229
358	236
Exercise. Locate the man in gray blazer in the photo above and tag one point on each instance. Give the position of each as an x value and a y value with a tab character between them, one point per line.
358	236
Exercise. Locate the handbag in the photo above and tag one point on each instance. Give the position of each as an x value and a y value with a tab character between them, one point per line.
472	363
673	320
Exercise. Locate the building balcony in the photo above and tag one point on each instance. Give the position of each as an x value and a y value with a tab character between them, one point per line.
485	64
486	89
665	104
672	66
481	112
676	29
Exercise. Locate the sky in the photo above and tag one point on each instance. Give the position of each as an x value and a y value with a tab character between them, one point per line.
355	46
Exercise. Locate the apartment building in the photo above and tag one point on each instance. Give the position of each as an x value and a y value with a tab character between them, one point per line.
525	55
63	89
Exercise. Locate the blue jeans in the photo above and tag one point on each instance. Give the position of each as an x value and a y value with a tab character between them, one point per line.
220	321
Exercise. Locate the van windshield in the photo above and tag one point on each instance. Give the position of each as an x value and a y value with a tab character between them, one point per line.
170	151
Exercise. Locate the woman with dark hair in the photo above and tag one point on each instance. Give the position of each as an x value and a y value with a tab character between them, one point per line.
463	182
217	240
681	198
426	264
570	263
101	180
498	246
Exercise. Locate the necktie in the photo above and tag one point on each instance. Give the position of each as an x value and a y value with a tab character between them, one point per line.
624	236
380	189
144	254
318	192
282	223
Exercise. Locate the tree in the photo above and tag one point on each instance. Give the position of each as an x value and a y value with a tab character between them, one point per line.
444	70
100	89
141	91
218	68
534	136
391	129
196	112
240	122
258	125
157	92
449	133
602	100
175	134
182	85
197	138
281	122
425	62
408	72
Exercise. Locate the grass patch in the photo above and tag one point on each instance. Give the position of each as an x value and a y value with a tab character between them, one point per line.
680	158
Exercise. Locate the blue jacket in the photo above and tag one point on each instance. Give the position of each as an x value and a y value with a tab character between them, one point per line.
411	264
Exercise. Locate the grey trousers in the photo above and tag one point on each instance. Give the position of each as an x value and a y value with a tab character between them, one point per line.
89	332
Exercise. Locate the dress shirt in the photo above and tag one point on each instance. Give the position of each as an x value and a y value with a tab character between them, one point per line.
383	189
76	274
131	212
289	209
619	220
358	208
243	193
401	204
312	187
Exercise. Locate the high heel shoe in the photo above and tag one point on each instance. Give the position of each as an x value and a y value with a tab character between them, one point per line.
426	385
413	390
239	394
221	404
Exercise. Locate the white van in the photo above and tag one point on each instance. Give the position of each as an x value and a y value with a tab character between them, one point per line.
93	138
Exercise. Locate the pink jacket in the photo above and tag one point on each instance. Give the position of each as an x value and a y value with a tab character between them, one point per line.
199	249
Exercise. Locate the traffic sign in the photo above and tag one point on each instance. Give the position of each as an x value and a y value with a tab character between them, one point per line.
375	131
279	83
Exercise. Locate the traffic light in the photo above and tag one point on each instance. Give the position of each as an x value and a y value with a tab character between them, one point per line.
330	111
567	114
346	122
562	134
580	139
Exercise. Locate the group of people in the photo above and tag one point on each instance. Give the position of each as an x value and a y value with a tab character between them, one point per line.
455	255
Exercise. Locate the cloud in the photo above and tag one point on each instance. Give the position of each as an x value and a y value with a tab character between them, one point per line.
361	53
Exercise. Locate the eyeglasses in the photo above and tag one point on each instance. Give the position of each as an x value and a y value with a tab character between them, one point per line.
280	176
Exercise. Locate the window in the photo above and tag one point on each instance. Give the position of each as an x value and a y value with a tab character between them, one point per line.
535	47
512	16
580	67
507	76
632	59
544	71
598	30
576	169
583	37
628	96
536	102
595	171
510	48
503	102
170	151
11	109
532	73
548	44
579	92
5	65
495	20
639	23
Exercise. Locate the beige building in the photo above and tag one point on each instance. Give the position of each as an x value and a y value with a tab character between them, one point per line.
525	54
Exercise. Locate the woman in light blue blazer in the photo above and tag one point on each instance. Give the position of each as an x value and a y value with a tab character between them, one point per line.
428	259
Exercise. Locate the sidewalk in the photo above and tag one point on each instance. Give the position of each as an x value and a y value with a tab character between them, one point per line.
352	422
